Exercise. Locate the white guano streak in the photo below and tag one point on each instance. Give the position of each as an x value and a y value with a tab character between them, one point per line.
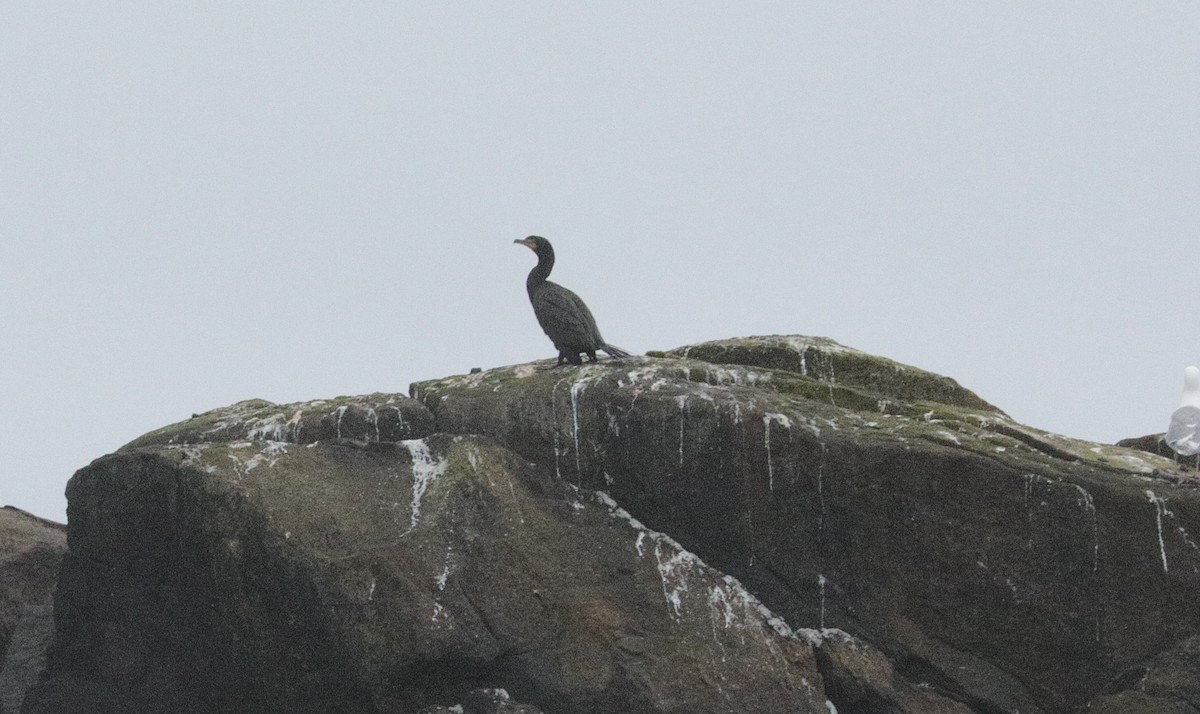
767	419
425	470
1160	509
576	389
682	401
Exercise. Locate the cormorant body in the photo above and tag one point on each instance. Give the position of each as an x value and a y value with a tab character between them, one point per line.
564	317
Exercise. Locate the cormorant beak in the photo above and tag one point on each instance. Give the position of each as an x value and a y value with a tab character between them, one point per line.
527	243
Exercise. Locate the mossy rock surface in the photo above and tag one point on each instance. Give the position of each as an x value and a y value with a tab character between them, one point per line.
370	417
827	361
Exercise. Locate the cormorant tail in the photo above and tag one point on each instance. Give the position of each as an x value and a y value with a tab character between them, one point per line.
614	351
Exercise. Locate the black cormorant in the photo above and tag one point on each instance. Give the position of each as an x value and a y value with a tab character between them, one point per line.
561	313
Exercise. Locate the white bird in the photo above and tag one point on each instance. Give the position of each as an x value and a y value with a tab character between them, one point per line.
1183	434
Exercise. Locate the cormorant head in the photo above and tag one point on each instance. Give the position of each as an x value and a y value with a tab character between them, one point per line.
537	244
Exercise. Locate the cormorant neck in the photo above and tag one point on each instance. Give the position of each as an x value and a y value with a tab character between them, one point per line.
541	271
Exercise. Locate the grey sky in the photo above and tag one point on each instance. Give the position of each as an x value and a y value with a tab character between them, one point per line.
202	203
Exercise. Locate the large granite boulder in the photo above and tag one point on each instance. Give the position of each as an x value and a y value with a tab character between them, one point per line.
754	525
1000	566
31	549
367	575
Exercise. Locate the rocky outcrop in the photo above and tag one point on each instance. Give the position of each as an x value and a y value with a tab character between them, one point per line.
753	525
365	575
31	549
1000	566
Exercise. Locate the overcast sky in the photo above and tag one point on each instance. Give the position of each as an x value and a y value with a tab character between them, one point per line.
207	202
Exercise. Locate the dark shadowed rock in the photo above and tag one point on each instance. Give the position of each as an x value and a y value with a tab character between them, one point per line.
1152	443
31	549
26	655
860	678
992	563
389	577
1165	685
